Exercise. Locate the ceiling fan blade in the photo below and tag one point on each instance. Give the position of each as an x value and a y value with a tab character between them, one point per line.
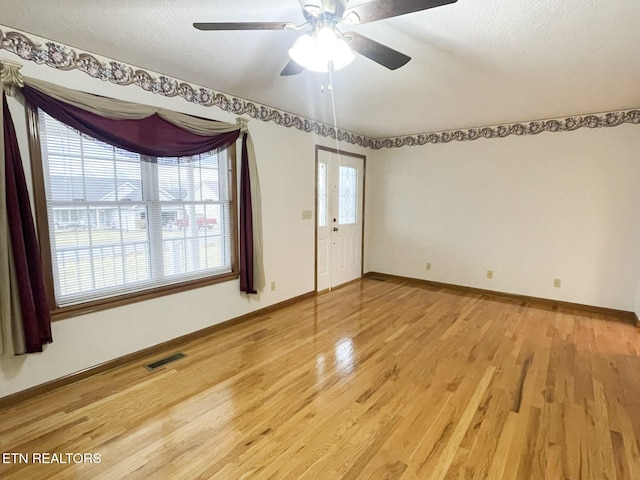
292	68
379	9
242	25
385	56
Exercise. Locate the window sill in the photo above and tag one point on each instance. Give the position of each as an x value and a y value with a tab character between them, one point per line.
121	300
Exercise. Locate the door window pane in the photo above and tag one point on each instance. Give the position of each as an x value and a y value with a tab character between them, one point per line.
348	186
322	195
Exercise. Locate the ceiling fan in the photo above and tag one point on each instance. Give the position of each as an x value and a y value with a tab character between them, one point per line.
326	47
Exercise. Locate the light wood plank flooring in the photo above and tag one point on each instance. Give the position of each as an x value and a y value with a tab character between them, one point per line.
376	380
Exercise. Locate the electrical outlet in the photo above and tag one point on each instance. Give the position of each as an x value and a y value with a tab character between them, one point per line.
557	282
273	286
489	273
428	266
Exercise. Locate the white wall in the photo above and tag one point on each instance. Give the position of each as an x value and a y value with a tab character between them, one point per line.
286	164
531	209
555	205
637	307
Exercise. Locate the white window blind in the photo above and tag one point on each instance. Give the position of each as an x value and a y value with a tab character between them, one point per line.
119	223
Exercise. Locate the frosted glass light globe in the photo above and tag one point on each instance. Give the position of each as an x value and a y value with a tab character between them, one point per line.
317	52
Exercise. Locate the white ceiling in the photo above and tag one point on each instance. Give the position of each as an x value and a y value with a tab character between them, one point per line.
474	63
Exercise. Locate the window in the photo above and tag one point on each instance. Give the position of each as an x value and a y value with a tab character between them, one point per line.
123	224
348	186
322	195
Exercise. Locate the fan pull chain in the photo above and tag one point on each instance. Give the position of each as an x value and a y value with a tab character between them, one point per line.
330	83
333	105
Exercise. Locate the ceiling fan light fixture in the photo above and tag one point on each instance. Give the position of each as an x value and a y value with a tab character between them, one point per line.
342	55
326	41
315	52
305	52
302	49
312	9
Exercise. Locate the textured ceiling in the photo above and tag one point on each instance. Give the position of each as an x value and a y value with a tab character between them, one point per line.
474	63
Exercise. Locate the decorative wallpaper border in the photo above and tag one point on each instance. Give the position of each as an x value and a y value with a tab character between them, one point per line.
62	57
610	119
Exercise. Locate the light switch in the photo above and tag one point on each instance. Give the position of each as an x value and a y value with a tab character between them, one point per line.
307	214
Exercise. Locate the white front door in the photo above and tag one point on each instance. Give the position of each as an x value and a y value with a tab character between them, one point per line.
339	215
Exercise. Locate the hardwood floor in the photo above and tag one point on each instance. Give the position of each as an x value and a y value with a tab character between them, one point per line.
376	380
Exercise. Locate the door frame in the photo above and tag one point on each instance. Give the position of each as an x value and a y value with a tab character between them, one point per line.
315	202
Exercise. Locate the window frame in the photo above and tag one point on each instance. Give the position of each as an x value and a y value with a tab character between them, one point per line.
42	230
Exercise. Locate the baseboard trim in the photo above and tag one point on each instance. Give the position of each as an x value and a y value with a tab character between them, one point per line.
342	285
48	387
628	317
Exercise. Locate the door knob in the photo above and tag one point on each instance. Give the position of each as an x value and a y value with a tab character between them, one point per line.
335	229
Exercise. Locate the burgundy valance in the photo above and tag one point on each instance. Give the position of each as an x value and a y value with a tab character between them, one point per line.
156	133
150	136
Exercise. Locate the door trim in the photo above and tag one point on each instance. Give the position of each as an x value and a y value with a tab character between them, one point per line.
315	202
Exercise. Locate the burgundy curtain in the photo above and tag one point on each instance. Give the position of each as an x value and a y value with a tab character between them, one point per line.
24	242
151	136
246	224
